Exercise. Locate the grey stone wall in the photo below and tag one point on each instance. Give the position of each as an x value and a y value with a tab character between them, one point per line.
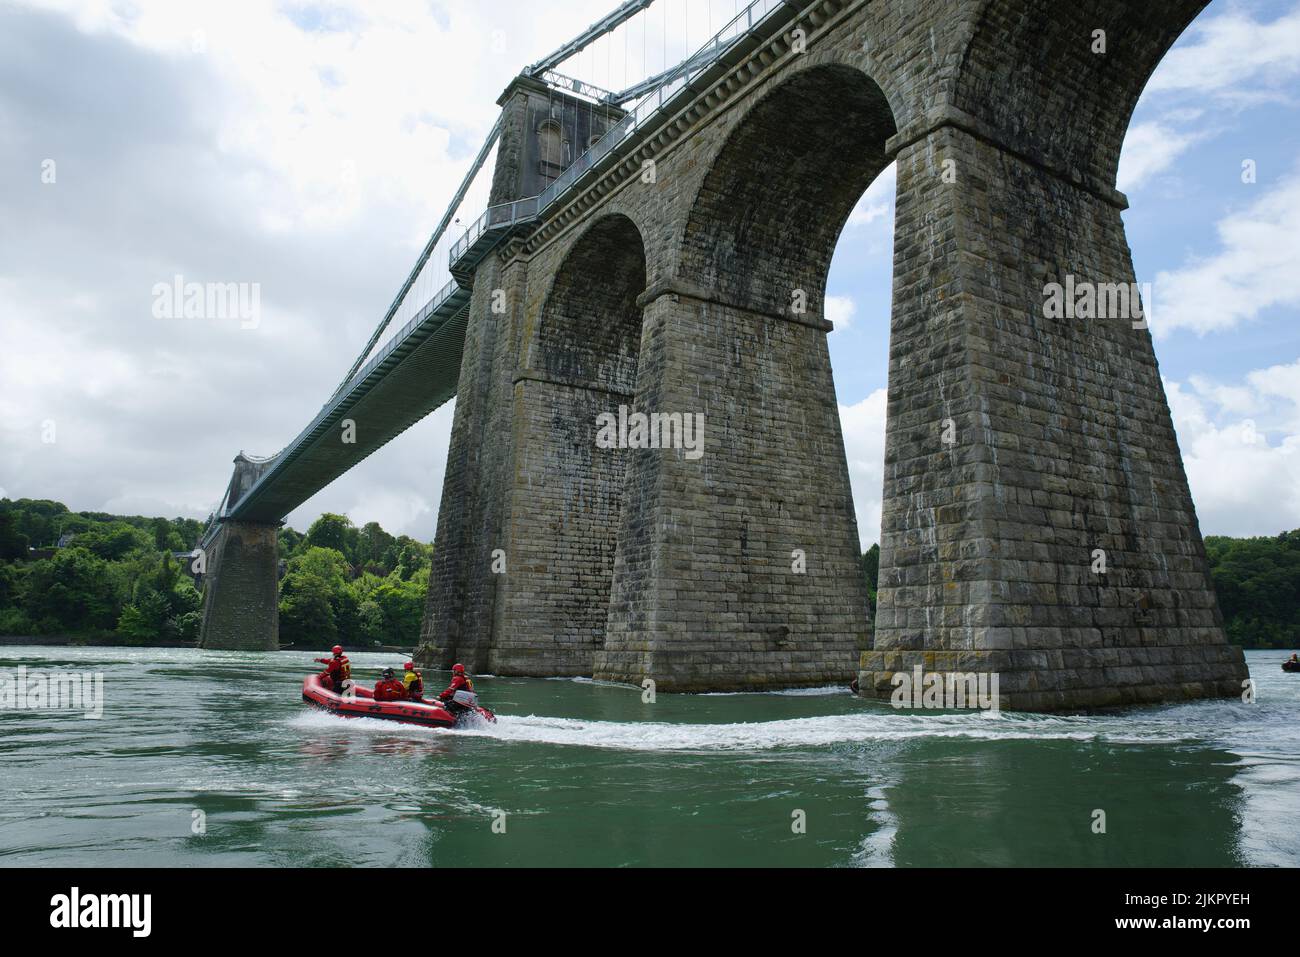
241	601
567	493
740	569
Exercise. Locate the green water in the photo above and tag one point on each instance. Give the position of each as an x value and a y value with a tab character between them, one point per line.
587	774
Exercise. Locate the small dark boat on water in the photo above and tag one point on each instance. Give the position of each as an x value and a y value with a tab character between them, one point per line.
1291	666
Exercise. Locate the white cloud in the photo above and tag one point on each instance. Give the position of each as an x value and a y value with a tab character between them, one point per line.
1151	148
840	310
1244	471
1230	59
1256	267
1241	400
1233	57
1279	381
310	149
877	203
863	425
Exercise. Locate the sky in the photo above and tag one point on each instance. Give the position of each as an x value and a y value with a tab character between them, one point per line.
310	148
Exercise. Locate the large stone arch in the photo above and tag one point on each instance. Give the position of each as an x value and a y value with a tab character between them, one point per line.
581	362
740	569
590	324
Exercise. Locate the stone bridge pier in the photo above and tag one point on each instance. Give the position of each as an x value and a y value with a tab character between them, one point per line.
241	600
1037	519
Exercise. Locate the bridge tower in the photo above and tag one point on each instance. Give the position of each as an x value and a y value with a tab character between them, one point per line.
241	602
478	592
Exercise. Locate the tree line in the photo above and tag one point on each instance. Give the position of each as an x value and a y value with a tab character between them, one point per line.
362	585
116	578
123	579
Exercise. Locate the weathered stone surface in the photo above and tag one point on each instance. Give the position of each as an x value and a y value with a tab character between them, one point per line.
1006	127
241	602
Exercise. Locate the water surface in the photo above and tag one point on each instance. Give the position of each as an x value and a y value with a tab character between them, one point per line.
588	774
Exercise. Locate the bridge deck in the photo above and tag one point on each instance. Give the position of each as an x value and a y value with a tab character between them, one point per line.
413	375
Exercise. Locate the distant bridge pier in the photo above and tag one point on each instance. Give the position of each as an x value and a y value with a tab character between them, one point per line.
241	602
241	599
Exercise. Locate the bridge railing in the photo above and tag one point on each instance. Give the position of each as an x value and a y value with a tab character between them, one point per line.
496	217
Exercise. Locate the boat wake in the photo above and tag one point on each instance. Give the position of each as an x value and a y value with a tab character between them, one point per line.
861	728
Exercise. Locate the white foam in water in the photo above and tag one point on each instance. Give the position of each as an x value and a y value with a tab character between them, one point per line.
762	736
823	691
314	720
864	728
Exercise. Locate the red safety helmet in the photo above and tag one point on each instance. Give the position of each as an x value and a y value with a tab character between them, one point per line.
338	650
458	669
410	666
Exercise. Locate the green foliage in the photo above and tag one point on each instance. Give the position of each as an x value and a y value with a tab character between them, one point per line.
38	520
11	575
146	621
291	542
312	596
373	544
73	591
320	602
116	577
187	626
401	606
14	621
1258	584
13	543
113	541
334	532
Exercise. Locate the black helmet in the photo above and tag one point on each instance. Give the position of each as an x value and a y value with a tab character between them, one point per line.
388	672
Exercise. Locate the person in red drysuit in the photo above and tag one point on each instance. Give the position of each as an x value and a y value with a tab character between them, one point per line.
459	682
390	689
337	670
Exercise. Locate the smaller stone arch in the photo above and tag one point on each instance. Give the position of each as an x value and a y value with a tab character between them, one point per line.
590	328
568	491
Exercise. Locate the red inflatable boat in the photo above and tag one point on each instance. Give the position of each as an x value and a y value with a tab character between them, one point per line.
428	714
